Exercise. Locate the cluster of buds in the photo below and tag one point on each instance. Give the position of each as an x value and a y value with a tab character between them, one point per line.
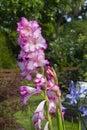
31	58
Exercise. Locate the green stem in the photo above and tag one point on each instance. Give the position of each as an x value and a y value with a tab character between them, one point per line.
79	123
83	122
47	113
60	123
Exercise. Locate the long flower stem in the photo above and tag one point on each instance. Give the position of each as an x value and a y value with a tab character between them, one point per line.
79	123
47	113
83	122
60	123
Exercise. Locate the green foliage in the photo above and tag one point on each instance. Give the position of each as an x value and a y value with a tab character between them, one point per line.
11	11
74	45
9	107
70	48
24	119
6	58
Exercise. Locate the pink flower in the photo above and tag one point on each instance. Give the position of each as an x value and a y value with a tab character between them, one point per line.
54	93
50	83
63	113
21	65
50	77
54	97
52	107
26	92
23	27
28	62
30	37
49	71
24	73
39	115
40	81
53	90
37	58
32	46
56	90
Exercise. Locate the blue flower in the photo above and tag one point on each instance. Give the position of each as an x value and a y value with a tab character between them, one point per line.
74	95
82	90
83	110
75	92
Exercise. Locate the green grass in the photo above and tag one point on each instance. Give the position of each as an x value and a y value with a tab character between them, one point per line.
24	116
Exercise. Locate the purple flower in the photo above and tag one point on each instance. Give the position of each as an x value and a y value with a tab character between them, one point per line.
73	97
30	37
64	108
52	107
32	46
72	87
83	110
82	90
75	93
40	81
39	115
26	92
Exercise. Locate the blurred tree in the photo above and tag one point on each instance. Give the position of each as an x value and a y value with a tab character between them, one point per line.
11	11
71	49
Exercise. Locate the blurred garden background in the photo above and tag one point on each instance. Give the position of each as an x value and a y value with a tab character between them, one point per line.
64	26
